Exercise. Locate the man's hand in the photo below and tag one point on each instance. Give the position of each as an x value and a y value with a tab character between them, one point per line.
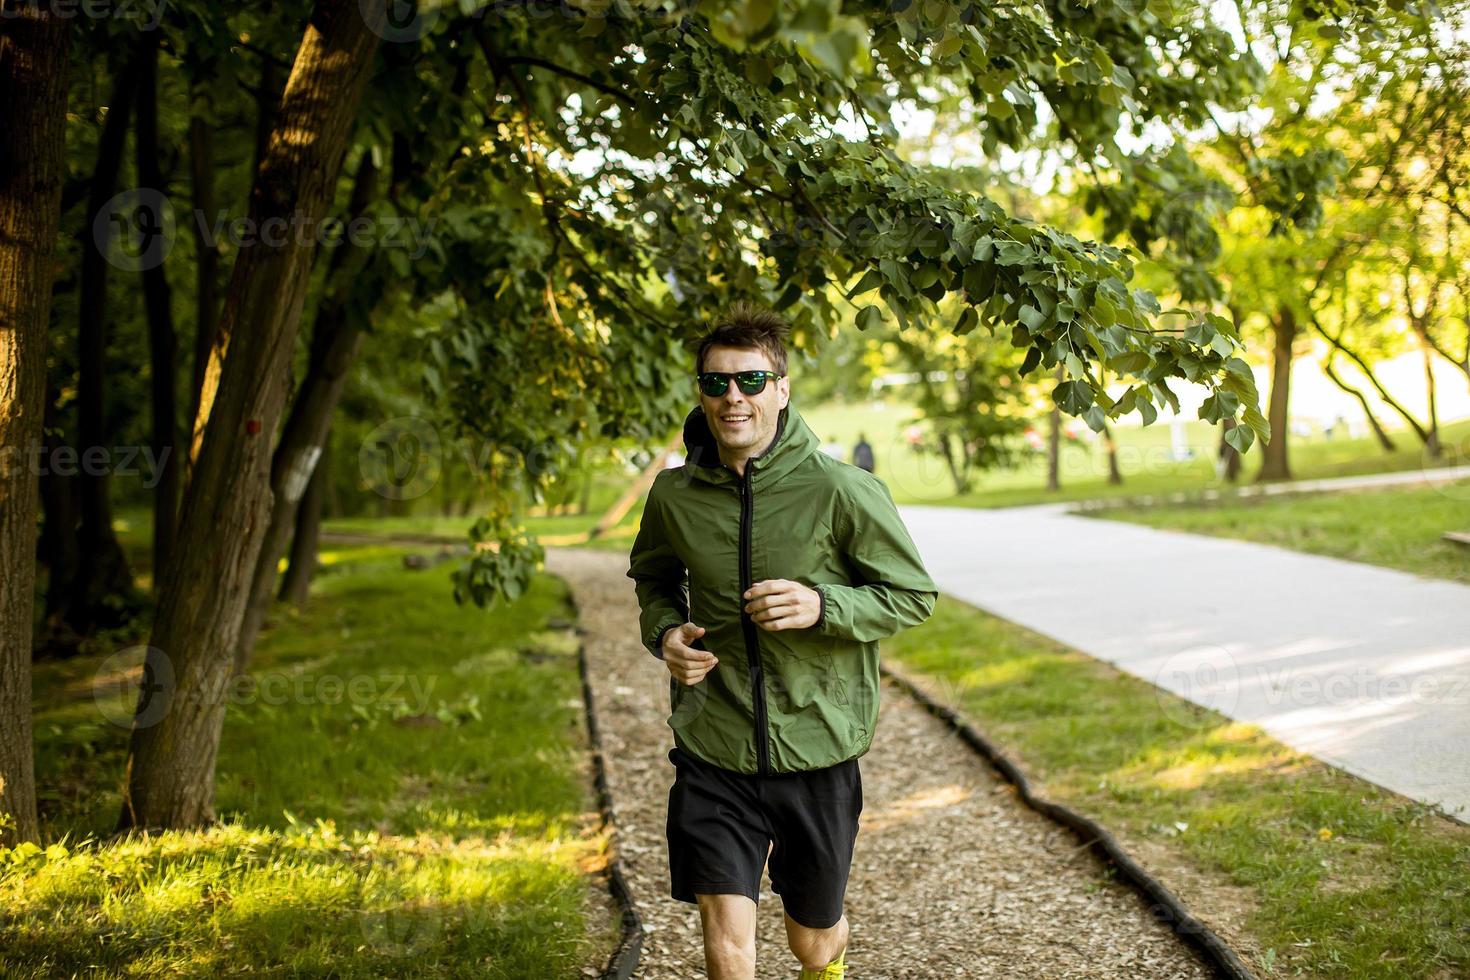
687	664
780	604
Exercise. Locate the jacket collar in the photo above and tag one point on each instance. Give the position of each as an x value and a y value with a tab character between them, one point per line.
794	442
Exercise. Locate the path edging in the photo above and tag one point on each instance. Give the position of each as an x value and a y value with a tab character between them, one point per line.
624	958
1166	906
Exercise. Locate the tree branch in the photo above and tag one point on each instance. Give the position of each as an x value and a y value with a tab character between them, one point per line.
587	80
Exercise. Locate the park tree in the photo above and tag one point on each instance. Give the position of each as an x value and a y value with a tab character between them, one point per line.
1297	194
34	51
170	768
967	392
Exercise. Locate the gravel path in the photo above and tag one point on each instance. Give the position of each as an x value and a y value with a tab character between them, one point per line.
952	876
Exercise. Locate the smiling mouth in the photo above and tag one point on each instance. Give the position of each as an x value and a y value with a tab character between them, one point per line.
734	419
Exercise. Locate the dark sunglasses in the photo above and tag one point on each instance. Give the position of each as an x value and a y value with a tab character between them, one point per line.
716	383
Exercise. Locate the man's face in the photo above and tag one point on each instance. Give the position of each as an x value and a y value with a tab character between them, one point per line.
742	424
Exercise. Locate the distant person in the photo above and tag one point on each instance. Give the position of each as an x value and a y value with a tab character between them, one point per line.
862	454
832	448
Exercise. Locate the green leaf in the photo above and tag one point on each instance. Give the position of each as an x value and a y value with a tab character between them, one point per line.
948	47
1130	363
1072	397
1033	358
1240	437
1075	367
967	321
869	316
871	280
1259	424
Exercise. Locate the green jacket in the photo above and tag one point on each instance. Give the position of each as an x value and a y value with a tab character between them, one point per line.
783	700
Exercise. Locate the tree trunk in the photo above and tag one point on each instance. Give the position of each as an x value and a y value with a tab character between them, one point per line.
57	548
957	472
1054	442
296	583
1115	475
206	269
33	75
1383	392
1383	437
162	341
1274	464
336	341
104	571
206	372
176	730
1432	447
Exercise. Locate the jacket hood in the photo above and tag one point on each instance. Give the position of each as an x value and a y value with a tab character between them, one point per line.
794	442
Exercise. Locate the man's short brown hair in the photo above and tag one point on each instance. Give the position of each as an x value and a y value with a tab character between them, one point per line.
751	326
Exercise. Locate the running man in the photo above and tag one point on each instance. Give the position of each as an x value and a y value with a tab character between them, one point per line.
766	573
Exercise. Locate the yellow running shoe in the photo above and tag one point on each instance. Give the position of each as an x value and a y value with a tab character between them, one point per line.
835	970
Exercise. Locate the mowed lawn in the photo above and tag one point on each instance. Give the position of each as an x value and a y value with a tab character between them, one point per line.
1144	456
403	786
1397	528
1328	875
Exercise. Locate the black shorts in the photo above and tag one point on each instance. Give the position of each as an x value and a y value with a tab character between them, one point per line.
722	824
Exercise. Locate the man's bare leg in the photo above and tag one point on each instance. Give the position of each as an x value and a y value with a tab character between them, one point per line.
729	936
815	948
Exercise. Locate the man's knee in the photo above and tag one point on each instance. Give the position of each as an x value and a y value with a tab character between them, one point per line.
815	948
729	922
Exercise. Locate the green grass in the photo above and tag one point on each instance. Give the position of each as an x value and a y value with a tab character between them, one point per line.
1397	528
1343	879
607	488
1143	458
402	789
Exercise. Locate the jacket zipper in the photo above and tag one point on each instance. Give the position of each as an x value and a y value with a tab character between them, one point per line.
752	642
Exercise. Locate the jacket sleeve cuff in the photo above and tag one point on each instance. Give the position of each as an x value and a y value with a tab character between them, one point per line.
829	620
657	646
